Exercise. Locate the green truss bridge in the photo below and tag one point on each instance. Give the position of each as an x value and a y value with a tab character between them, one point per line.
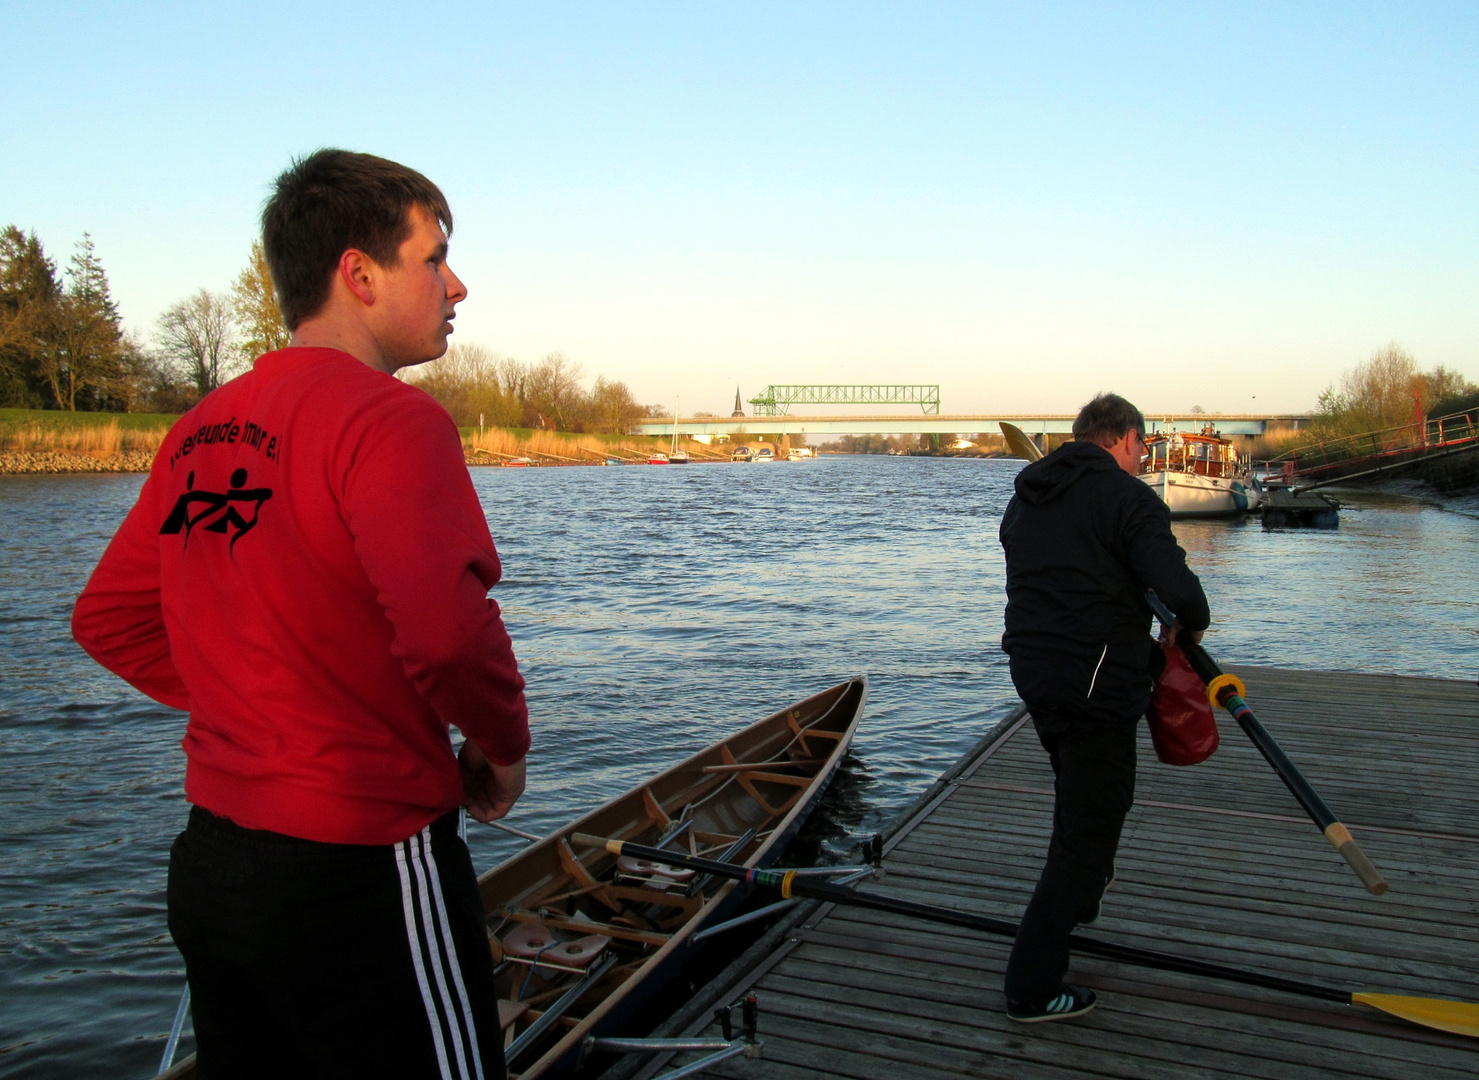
777	400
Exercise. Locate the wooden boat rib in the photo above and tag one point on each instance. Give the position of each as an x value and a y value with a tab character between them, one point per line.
742	799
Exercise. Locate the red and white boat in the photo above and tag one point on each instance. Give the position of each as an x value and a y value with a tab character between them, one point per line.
1199	475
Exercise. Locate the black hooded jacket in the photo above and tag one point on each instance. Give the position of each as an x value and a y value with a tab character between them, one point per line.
1084	539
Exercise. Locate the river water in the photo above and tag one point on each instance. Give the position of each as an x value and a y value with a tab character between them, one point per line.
653	610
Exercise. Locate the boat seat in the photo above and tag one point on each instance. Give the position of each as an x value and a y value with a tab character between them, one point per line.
529	941
629	865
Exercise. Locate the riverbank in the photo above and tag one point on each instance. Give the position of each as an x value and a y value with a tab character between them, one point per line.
73	461
50	441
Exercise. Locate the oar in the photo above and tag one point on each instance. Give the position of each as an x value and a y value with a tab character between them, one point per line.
1458	1017
1019	443
1227	691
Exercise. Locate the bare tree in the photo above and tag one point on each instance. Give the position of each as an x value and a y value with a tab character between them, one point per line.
613	408
554	393
470	383
197	336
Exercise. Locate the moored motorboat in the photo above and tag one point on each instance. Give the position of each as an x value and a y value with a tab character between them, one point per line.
582	940
741	453
1199	474
657	457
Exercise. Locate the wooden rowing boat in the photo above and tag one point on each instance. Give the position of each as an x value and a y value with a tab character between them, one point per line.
582	943
621	929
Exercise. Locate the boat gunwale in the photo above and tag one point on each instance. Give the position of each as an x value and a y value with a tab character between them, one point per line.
680	938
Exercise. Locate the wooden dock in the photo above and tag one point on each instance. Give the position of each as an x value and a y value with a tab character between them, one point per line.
1217	862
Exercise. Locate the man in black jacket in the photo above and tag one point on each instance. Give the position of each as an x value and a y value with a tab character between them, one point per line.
1084	538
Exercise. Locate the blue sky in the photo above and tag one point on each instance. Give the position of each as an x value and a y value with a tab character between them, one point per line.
1223	205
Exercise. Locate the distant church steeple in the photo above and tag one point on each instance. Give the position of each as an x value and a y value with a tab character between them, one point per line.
739	410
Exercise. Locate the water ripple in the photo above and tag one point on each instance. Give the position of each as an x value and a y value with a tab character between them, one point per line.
653	609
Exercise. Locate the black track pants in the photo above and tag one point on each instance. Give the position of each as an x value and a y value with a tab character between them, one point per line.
1094	767
334	960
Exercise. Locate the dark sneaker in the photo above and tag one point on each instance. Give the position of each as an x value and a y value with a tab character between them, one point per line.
1098	909
1073	1001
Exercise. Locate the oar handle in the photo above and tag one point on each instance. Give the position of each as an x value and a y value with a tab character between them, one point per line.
1227	690
1342	841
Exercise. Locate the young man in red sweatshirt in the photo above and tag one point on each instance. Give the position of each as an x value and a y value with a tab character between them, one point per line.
307	572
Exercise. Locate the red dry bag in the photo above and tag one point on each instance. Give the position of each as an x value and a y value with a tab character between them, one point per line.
1180	716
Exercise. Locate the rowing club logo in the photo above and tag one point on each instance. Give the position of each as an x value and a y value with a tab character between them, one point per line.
215	511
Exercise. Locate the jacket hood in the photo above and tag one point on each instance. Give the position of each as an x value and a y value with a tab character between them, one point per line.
1044	480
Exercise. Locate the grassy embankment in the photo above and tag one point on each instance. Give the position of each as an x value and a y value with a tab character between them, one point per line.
48	440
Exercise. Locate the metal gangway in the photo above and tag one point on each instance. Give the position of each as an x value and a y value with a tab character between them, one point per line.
1330	461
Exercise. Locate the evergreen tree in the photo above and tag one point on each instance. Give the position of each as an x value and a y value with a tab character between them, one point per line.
29	295
83	364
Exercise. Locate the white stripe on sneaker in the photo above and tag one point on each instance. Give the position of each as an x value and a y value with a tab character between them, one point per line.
408	905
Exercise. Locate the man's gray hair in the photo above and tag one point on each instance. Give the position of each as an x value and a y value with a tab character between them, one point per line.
1106	419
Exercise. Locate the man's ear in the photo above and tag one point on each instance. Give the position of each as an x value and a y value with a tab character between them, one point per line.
360	274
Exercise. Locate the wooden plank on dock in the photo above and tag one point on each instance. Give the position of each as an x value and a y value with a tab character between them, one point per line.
1217	862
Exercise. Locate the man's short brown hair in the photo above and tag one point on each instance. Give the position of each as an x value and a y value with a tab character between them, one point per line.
328	202
1106	419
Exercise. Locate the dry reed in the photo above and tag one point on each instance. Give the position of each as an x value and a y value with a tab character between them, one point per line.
499	442
98	439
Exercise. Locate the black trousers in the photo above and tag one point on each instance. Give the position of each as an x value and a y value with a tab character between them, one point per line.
1094	770
333	960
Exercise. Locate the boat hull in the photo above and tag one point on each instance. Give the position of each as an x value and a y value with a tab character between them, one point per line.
538	869
1188	494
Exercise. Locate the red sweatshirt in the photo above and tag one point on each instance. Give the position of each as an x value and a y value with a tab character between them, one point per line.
307	572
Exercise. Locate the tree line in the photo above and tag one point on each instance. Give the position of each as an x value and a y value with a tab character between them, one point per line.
1389	390
483	388
63	346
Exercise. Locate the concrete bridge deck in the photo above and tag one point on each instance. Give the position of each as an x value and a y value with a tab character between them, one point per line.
1250	425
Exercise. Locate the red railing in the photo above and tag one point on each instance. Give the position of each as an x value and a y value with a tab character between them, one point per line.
1370	449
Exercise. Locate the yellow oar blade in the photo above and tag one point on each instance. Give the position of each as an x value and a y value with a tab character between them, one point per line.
1018	442
1458	1017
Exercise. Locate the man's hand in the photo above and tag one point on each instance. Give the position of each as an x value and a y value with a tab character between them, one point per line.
1177	628
490	790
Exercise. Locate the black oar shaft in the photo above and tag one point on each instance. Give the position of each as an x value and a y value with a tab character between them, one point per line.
790	885
1229	698
1207	670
